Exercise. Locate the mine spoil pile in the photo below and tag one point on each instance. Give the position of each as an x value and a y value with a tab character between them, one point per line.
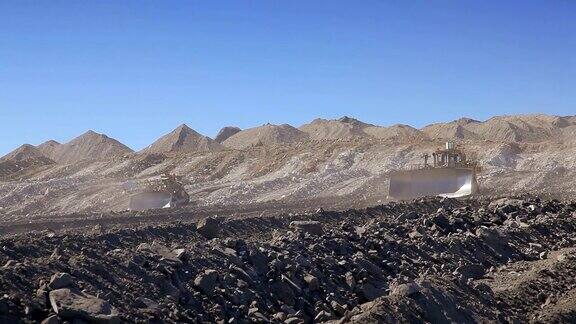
342	160
428	260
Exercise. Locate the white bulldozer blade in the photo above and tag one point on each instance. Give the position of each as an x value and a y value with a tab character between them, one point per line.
150	200
447	182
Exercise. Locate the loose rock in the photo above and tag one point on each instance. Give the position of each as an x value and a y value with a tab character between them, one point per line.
208	227
60	280
206	281
310	227
71	304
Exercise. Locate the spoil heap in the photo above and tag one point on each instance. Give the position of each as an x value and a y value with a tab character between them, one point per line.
226	132
265	135
347	128
21	159
89	146
183	139
516	128
49	148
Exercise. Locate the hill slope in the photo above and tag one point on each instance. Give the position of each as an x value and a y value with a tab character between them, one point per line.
24	158
348	128
90	146
182	139
226	132
265	135
345	127
517	128
49	148
22	153
398	132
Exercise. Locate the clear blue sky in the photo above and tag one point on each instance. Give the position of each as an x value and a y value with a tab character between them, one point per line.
135	69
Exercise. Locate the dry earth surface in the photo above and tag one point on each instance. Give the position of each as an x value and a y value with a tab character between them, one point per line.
255	244
326	159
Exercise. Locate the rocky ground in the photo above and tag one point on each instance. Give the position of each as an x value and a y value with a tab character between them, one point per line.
430	260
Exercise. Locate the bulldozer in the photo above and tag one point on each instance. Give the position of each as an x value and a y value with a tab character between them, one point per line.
169	192
450	174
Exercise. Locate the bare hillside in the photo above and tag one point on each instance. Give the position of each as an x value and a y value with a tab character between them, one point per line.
519	128
281	164
90	146
22	161
226	132
182	139
49	149
397	132
345	127
265	135
22	153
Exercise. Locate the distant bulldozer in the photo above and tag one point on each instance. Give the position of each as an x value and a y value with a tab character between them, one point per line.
451	174
166	193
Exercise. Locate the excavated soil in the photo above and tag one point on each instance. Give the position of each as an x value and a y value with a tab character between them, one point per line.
342	159
430	260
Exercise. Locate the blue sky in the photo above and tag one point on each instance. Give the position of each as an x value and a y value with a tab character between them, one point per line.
135	69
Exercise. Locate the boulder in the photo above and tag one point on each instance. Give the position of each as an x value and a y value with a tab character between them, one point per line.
71	304
161	252
310	227
258	260
206	281
60	280
404	290
209	227
506	205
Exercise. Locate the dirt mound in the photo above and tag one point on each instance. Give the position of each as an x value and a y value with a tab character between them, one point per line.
398	132
25	158
517	128
49	148
226	132
90	146
348	128
265	135
182	139
449	131
521	128
24	152
343	128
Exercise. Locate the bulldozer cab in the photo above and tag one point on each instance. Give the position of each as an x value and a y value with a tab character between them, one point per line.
448	174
